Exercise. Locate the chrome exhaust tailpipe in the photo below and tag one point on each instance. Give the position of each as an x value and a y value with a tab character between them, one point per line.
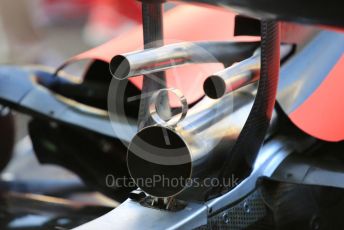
164	161
158	59
238	75
233	78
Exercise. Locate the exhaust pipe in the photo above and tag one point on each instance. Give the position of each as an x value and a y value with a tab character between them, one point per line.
233	78
238	75
158	59
164	161
177	160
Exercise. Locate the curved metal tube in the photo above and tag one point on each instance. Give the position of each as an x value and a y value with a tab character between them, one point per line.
233	78
199	145
238	75
192	150
166	57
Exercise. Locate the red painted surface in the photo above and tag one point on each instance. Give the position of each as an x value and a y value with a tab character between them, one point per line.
183	23
321	115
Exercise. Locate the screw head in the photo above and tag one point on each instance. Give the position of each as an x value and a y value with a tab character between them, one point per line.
225	217
247	207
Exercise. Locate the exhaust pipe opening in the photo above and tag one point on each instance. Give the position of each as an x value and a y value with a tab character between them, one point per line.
120	67
159	161
238	75
168	161
214	87
150	61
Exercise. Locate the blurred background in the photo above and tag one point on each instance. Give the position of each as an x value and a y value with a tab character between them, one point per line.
47	32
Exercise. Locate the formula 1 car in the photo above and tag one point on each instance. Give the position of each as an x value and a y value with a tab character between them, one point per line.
201	118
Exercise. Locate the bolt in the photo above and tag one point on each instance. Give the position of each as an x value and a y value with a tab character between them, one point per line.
246	207
225	217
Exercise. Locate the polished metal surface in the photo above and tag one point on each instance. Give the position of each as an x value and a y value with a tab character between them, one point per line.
233	78
238	75
197	146
154	60
208	132
132	215
154	107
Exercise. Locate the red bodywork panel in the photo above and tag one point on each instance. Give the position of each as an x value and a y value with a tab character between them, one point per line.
319	116
182	23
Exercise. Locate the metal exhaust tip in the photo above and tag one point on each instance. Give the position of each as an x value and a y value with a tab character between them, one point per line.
214	87
159	161
120	67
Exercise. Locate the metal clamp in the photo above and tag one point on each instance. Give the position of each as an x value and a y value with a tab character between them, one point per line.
174	120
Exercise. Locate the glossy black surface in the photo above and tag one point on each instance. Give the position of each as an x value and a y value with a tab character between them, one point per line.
303	11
